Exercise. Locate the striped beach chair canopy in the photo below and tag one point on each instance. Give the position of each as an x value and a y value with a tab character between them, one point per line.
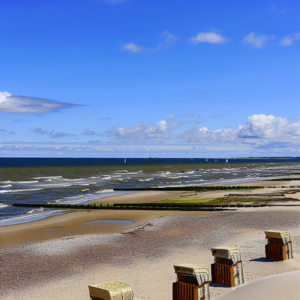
200	274
225	252
277	234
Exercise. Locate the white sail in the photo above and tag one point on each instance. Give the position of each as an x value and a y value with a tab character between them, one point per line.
125	160
227	160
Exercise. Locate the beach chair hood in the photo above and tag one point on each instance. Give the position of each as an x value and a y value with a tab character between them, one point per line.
201	274
277	234
111	291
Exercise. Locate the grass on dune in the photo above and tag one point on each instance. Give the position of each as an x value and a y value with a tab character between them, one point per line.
214	201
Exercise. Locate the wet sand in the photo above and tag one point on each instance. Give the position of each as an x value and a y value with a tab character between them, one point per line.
70	225
143	197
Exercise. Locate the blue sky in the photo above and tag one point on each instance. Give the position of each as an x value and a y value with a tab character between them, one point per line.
139	78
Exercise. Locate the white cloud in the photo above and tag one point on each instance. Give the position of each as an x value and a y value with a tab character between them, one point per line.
88	132
5	131
209	37
259	129
52	134
257	41
142	132
133	48
168	40
170	117
290	39
29	105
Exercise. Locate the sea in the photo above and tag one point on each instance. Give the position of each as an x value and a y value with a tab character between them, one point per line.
82	180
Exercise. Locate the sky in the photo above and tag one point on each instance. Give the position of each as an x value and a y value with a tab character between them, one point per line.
140	78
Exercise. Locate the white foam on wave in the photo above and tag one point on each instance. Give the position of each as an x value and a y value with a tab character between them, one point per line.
47	177
3	205
25	182
35	210
105	191
20	191
5	186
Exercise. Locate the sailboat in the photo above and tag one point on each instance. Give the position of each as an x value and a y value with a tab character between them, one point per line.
124	160
207	159
226	160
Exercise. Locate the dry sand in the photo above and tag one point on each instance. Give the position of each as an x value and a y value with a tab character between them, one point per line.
278	287
60	264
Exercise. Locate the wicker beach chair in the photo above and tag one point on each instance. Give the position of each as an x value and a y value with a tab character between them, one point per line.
192	283
279	245
111	291
228	267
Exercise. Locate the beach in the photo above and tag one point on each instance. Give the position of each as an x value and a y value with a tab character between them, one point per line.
58	257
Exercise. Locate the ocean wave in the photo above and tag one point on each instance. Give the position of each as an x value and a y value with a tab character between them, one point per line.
23	182
105	191
5	186
46	177
35	210
3	205
20	191
75	179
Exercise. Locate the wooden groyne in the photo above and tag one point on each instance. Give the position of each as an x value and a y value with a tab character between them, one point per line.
190	188
153	206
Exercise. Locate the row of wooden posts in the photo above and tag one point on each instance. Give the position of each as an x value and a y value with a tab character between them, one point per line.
152	206
193	282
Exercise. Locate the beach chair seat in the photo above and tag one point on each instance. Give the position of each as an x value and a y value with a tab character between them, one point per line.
227	268
192	283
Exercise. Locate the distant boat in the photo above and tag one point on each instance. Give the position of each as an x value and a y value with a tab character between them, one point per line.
226	160
207	159
215	160
124	160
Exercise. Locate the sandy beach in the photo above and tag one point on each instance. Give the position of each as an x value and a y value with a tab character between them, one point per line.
58	257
